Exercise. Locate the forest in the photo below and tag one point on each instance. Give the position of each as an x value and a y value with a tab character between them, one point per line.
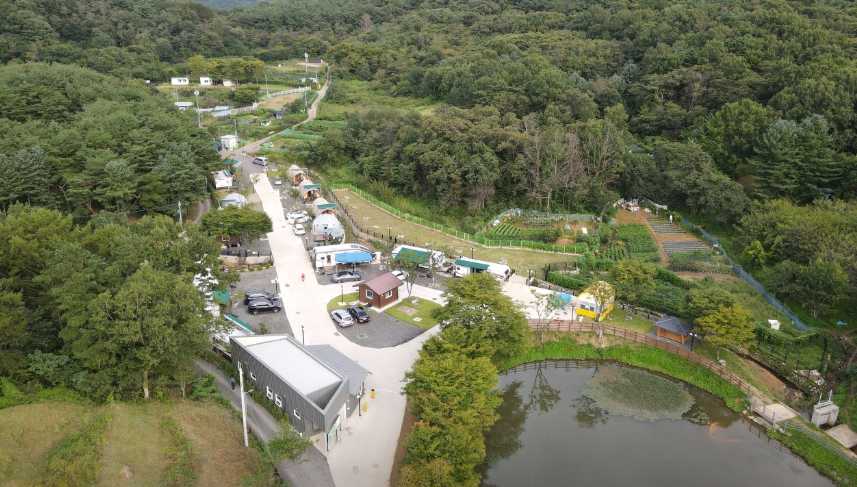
740	114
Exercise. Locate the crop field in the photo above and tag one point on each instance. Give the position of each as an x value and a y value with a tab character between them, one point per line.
374	219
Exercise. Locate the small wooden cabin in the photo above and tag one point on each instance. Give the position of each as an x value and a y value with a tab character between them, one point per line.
380	290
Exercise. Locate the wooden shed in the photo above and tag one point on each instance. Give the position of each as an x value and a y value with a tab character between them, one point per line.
673	328
380	290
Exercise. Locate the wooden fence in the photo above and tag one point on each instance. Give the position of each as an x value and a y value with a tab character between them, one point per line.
565	326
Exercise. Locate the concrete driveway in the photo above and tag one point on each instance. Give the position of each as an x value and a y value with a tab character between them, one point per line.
364	457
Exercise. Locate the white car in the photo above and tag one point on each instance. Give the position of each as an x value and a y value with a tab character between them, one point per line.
301	219
402	275
278	182
299	230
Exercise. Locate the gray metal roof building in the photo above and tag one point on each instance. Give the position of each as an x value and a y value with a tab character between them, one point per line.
315	387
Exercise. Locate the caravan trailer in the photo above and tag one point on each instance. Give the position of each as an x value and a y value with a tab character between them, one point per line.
465	266
327	257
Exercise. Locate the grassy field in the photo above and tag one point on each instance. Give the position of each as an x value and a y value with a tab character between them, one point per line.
342	301
375	219
410	308
624	319
126	444
348	96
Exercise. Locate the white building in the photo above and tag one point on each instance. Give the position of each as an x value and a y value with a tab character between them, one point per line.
184	106
229	142
228	83
222	180
326	227
205	81
180	81
233	199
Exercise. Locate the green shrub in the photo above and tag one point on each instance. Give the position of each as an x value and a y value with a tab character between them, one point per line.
180	467
823	458
575	282
74	461
288	444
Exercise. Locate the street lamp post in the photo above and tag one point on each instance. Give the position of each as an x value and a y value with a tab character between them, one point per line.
198	116
303	335
243	406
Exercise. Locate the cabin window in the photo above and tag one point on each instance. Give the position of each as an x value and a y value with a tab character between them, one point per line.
252	376
296	413
388	294
278	400
369	294
269	393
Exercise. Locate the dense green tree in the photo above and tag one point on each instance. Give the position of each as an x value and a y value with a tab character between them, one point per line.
632	279
727	327
245	223
477	305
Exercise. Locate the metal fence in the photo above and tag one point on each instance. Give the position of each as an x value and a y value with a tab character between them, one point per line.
749	279
566	326
570	249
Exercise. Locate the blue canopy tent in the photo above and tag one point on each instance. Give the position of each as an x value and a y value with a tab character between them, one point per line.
354	257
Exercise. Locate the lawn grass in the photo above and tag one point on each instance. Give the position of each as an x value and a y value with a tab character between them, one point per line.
818	451
349	96
624	319
135	454
127	444
29	432
654	359
341	301
372	218
422	309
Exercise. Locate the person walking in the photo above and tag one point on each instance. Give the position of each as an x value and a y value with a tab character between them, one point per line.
302	277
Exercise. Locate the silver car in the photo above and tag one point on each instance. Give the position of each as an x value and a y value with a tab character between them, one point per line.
342	318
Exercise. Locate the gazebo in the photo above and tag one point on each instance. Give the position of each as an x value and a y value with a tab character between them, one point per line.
673	328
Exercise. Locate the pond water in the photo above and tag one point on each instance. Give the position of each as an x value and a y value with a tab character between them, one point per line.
569	423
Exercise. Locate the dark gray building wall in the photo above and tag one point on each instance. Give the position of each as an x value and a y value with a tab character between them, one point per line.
312	418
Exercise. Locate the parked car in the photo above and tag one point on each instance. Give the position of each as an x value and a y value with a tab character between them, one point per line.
402	275
302	219
346	276
261	161
256	294
299	229
278	182
424	270
263	306
359	314
341	318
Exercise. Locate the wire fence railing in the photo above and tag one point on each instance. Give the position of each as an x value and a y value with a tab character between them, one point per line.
747	277
567	326
571	249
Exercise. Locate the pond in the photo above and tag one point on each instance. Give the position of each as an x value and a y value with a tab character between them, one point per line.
566	423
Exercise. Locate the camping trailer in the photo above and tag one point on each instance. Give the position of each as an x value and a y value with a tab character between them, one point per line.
180	81
465	266
327	257
418	255
327	228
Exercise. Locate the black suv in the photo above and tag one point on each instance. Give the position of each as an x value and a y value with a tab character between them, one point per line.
264	305
254	294
359	314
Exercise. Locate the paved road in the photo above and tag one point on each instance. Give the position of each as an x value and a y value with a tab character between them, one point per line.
308	470
364	457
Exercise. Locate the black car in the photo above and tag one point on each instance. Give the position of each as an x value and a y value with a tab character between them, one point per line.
264	306
359	314
254	294
345	276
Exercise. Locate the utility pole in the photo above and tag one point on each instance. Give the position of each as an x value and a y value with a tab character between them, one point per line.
267	91
180	215
243	406
306	62
198	115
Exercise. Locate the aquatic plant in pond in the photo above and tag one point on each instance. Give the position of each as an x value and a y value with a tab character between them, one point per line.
637	394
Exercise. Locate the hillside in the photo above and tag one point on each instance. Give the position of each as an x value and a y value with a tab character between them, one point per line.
170	444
